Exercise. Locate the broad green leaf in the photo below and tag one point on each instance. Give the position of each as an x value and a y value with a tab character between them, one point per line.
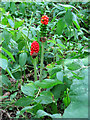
28	89
8	53
3	63
60	26
47	83
59	76
4	79
68	17
73	66
45	97
24	101
22	59
78	107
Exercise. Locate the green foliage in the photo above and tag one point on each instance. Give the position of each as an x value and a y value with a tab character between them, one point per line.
63	91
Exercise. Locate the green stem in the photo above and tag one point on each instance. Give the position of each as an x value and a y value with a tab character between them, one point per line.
29	30
42	56
35	70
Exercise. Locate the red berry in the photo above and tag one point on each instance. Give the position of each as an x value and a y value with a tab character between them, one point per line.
44	20
34	47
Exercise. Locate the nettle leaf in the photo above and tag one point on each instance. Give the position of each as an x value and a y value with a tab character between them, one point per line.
45	97
28	89
41	113
68	17
22	59
3	63
73	66
24	101
59	76
60	26
8	53
47	83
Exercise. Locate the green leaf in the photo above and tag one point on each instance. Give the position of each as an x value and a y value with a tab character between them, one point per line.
3	57
41	113
24	101
11	23
59	76
4	79
18	24
28	89
75	21
22	59
45	97
12	7
56	90
68	17
54	70
9	72
7	36
79	98
21	45
22	8
8	53
47	83
73	66
3	63
60	26
68	7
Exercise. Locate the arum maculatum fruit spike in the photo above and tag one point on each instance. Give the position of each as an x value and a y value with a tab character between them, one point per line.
34	49
44	19
43	27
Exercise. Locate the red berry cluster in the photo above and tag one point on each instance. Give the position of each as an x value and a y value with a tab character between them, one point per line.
44	20
34	47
